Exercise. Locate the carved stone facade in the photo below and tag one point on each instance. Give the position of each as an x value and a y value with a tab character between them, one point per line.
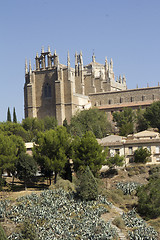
58	90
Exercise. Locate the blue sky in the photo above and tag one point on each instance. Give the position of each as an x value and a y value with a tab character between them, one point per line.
128	31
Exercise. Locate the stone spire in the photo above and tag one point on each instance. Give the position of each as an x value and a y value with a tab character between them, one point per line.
42	50
68	60
120	79
76	63
49	50
26	67
106	62
30	68
111	65
124	79
81	58
93	58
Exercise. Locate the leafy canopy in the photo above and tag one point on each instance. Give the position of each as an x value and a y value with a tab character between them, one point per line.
9	128
149	199
116	160
87	152
26	167
141	155
125	121
52	150
92	120
152	115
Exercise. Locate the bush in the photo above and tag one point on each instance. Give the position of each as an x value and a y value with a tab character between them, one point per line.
142	155
28	231
64	184
2	234
149	199
87	189
118	221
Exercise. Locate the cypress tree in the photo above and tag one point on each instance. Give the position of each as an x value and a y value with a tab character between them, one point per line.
14	116
8	115
87	189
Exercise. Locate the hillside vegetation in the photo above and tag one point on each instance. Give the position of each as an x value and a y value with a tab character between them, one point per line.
57	213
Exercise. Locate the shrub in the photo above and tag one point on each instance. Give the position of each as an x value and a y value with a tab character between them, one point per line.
2	234
28	231
141	155
87	189
64	184
149	199
118	221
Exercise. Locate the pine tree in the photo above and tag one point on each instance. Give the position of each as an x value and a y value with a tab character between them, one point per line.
87	189
8	115
14	116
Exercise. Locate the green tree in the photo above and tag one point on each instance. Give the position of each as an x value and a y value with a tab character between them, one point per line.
14	116
2	234
141	155
8	153
52	151
87	188
28	231
26	168
87	152
141	122
33	126
9	128
49	123
8	115
152	115
125	121
149	199
114	161
92	120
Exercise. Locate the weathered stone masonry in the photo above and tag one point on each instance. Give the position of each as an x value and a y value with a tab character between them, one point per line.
57	90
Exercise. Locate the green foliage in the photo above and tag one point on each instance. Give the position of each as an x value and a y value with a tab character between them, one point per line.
64	184
141	155
8	153
118	221
65	124
92	120
141	122
125	121
14	116
67	172
8	115
33	126
87	152
28	231
149	199
115	161
49	123
88	188
2	234
52	150
152	115
26	167
9	128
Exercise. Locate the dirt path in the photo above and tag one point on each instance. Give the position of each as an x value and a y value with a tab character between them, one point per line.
110	216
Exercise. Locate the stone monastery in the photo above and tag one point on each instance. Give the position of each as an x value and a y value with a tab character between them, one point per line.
58	90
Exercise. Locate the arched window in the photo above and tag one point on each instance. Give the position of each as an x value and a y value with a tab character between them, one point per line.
47	90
